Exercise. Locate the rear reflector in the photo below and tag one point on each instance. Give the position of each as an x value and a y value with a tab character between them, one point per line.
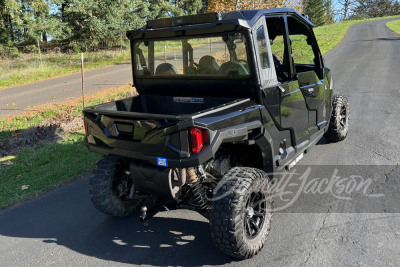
198	139
85	126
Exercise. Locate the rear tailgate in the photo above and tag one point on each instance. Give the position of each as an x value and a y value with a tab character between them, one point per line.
145	136
131	134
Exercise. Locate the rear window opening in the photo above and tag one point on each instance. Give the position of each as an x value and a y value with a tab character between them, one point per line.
223	56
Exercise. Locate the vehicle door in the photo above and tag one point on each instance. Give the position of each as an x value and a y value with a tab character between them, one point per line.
308	70
288	101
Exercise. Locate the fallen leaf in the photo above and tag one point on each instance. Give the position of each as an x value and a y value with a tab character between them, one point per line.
25	187
8	163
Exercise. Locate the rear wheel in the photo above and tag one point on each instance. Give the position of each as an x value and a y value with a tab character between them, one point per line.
339	123
241	213
111	187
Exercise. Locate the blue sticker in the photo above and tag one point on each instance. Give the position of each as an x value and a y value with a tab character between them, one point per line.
107	132
162	162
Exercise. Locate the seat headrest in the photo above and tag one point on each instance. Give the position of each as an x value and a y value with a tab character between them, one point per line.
208	65
166	69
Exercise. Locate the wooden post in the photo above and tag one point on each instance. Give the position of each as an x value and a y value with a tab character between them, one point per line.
83	82
40	54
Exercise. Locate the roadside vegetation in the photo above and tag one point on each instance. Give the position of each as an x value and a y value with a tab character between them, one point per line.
44	149
327	36
29	68
330	36
394	26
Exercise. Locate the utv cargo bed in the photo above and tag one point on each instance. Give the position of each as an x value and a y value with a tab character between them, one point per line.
164	107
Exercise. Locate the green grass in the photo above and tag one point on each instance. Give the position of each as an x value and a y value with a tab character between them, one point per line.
328	37
51	165
60	111
394	26
7	128
28	68
41	169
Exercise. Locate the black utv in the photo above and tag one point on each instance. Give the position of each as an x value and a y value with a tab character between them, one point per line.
224	101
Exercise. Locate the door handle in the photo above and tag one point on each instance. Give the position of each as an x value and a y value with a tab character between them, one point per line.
281	88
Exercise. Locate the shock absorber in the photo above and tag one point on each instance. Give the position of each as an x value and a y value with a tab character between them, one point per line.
193	180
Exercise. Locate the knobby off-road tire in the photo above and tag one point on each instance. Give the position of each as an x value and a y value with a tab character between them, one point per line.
339	122
239	207
110	185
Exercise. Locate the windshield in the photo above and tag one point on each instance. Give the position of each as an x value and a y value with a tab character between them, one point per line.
222	56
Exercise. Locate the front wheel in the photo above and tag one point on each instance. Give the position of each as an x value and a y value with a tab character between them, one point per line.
339	123
241	213
111	187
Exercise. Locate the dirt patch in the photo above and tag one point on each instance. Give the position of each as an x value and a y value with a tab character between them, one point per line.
54	130
51	131
48	132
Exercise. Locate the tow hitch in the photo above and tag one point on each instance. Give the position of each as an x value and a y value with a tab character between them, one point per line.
146	215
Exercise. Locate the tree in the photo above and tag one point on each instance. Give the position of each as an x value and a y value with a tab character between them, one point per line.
8	9
193	7
229	5
376	8
328	16
104	22
166	8
314	9
346	7
5	35
26	21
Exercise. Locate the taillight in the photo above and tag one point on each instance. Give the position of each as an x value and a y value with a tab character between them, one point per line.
198	139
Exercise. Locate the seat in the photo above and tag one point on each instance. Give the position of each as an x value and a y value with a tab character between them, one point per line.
233	69
207	65
166	69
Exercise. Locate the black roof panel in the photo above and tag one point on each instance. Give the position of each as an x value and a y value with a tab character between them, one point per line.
243	18
252	15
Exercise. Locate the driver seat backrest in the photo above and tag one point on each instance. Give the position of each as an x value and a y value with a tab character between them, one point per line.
166	69
208	65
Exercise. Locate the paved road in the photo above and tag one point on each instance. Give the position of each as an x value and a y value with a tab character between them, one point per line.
62	88
62	228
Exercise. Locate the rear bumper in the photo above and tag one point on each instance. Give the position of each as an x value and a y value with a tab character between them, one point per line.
231	134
